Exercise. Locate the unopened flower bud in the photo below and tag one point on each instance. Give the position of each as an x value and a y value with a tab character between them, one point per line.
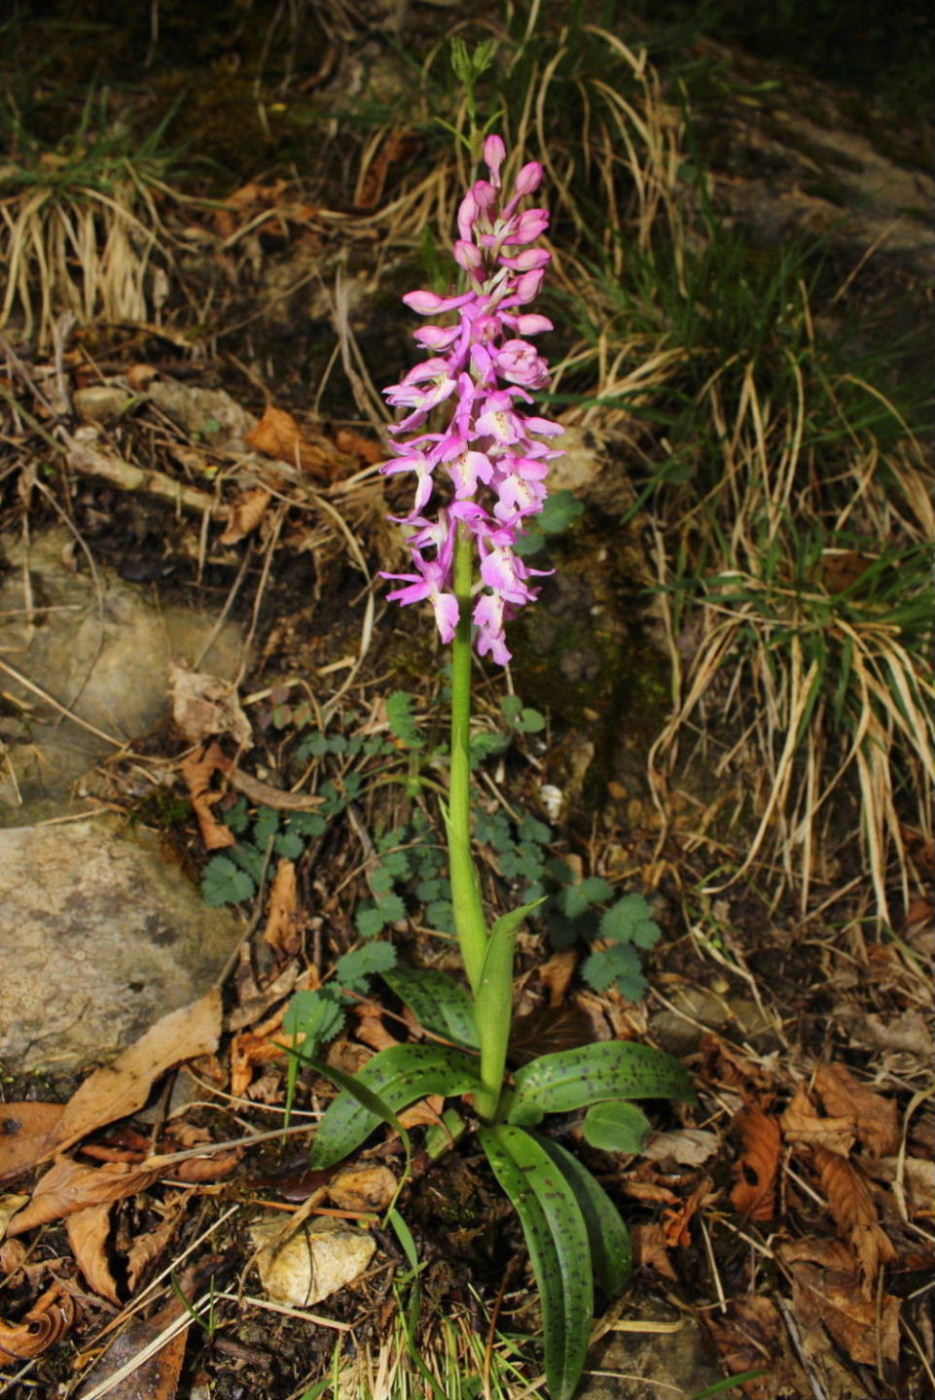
494	155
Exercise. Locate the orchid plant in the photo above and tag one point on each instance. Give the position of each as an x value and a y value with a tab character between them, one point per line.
480	475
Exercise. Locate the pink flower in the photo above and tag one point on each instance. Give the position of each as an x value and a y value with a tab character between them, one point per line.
491	453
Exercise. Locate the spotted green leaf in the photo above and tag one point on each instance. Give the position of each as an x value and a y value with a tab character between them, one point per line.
608	1237
557	1239
440	1004
609	1069
397	1077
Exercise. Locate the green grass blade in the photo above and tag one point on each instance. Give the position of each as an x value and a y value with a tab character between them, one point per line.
557	1239
391	1081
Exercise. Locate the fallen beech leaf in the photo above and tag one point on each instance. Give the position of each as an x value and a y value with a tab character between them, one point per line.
754	1191
811	1249
198	768
119	1089
46	1323
867	1328
650	1192
87	1234
278	435
69	1186
676	1227
283	918
427	1112
246	1052
9	1205
204	706
156	1377
371	1031
245	514
724	1064
556	974
854	1215
368	1188
910	1032
27	1135
749	1338
801	1124
690	1147
651	1250
13	1253
917	1173
207	1168
875	1118
354	444
145	1249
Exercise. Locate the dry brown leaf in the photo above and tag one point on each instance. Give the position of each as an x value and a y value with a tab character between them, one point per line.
369	1188
690	1147
749	1338
204	706
265	795
47	1322
854	1214
875	1118
354	444
556	974
12	1202
724	1064
145	1249
140	376
157	1377
198	768
867	1328
371	1030
69	1186
427	1112
754	1191
677	1222
917	1174
651	1250
117	1090
87	1234
13	1253
246	1052
813	1249
802	1125
27	1135
278	435
205	1168
283	918
650	1192
245	514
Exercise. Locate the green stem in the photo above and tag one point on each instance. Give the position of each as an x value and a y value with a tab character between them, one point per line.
470	923
488	958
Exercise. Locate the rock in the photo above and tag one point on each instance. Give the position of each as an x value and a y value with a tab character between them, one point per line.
99	937
101	403
312	1262
101	648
